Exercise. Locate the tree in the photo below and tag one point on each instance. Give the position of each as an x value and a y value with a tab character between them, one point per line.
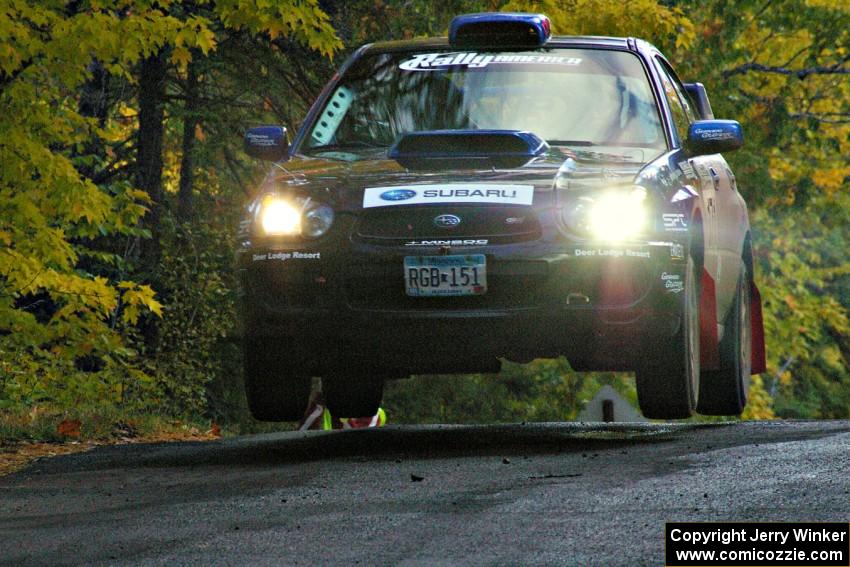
782	70
65	319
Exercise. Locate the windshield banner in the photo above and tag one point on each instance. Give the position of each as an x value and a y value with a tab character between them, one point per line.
436	61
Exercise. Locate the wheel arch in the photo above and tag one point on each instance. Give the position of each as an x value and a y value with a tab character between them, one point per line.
747	255
696	246
758	350
709	344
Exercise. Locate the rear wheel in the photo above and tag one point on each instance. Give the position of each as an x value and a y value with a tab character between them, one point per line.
274	390
350	395
667	377
724	391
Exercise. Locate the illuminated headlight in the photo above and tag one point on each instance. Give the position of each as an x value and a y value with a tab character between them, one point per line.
614	216
279	216
618	217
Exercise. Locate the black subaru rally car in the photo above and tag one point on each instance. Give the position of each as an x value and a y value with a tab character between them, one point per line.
500	194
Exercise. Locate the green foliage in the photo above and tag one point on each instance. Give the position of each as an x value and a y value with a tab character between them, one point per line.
55	316
646	19
69	302
543	390
782	72
198	295
803	273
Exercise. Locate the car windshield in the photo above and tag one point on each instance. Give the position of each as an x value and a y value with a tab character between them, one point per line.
579	97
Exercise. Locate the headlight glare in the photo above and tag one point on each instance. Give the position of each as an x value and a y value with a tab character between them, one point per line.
282	216
617	217
614	215
279	217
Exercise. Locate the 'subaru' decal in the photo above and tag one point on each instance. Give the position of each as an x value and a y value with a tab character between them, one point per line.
448	193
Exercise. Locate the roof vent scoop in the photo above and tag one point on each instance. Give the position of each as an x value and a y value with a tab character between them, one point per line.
499	30
467	149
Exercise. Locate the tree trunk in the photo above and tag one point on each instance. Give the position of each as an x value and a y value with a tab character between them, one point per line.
149	164
149	157
191	119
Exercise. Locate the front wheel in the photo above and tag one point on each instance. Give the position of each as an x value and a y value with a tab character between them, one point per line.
724	391
275	391
667	376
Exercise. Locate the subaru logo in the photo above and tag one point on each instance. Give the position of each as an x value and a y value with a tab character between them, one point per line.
447	221
398	194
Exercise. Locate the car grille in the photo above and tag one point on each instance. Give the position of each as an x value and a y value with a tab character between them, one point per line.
498	224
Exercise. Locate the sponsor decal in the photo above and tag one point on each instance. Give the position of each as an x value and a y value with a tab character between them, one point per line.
283	256
714	134
455	242
398	195
446	221
514	220
674	222
262	139
473	60
448	193
733	182
612	252
672	282
704	175
685	192
687	169
677	251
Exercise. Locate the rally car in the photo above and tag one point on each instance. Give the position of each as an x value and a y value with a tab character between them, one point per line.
500	194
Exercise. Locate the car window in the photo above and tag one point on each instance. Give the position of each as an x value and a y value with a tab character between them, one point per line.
676	97
600	97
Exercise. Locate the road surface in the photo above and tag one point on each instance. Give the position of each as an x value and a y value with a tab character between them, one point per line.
535	494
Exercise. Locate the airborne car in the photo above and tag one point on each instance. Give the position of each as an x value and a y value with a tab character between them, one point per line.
500	194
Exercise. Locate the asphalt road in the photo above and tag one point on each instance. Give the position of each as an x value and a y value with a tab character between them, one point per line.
537	494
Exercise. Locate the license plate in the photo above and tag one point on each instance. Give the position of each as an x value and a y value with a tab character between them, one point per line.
442	276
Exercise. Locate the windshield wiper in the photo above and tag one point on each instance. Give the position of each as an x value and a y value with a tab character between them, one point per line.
584	143
345	146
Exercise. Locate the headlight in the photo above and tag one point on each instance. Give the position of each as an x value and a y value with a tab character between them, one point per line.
614	215
280	216
317	221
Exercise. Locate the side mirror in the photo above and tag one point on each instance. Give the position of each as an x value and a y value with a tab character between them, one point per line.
699	96
266	142
714	137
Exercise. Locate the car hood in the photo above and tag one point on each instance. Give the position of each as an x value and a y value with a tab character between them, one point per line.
340	178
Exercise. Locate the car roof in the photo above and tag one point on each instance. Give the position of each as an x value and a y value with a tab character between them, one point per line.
555	41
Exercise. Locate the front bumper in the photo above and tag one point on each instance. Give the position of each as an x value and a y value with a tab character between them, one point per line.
345	305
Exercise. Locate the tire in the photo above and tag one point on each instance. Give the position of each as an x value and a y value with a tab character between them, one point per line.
667	377
274	390
724	391
353	395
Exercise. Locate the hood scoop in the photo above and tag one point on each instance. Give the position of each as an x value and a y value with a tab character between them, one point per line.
467	149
